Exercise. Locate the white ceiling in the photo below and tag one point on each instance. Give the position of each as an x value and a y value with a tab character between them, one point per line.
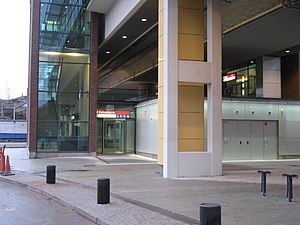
100	6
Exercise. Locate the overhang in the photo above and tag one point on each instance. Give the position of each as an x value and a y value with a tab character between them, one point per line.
100	6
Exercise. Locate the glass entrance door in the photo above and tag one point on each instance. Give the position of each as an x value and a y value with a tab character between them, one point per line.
114	137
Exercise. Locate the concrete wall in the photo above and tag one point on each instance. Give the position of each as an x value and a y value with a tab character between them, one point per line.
285	112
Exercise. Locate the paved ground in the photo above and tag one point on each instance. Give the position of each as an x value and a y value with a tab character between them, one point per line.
141	196
21	206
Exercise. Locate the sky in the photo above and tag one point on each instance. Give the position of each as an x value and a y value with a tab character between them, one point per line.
14	40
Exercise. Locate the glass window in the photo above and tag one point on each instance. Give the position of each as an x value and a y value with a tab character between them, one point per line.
63	97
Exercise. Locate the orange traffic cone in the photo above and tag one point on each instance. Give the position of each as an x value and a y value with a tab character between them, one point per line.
7	171
2	164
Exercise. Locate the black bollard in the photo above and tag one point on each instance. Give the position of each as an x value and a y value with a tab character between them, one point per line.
289	179
103	191
210	214
263	185
50	175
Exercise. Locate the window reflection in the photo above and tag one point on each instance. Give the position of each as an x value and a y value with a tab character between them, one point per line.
63	85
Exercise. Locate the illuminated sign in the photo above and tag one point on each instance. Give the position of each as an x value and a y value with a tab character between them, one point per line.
242	78
113	114
229	77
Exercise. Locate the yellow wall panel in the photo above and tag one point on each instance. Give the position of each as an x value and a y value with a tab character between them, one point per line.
161	73
160	133
160	23
160	99
160	146
190	21
191	145
160	80
160	5
191	4
160	48
190	98
190	125
190	47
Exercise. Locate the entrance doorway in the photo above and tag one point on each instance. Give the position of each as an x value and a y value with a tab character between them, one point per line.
114	137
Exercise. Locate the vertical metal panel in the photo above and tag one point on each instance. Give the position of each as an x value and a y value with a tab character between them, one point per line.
230	133
257	140
244	140
270	140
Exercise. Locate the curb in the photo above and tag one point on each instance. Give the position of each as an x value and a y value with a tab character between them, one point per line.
56	199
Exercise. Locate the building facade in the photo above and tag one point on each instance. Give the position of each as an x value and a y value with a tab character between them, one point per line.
96	66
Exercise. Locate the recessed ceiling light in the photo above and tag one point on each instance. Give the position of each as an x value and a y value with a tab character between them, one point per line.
124	36
107	52
252	61
144	20
287	51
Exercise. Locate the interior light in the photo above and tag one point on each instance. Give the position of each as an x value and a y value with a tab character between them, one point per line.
68	41
252	61
107	52
287	51
74	54
144	20
124	36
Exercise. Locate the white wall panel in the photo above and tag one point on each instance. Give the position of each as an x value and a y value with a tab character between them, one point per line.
146	127
194	164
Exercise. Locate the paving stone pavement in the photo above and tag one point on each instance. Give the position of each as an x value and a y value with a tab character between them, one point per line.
139	194
83	199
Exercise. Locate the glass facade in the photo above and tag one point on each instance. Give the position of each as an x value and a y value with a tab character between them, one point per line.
63	79
240	82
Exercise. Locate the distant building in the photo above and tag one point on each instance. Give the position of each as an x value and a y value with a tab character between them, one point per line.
13	119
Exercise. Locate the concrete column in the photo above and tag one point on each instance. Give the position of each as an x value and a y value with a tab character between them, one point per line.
170	89
214	56
268	73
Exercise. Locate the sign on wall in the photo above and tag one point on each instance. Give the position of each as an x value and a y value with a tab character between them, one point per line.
113	114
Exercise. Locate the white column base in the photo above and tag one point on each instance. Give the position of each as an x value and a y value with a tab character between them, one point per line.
194	164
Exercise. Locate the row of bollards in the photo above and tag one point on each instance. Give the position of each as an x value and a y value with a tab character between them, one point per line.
103	185
290	177
210	213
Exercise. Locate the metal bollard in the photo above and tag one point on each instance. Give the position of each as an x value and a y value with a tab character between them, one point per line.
289	178
103	191
210	214
50	174
263	185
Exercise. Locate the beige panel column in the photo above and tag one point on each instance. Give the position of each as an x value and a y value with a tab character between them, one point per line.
180	105
191	95
160	81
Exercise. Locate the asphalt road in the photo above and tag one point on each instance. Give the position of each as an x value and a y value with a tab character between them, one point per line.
19	206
